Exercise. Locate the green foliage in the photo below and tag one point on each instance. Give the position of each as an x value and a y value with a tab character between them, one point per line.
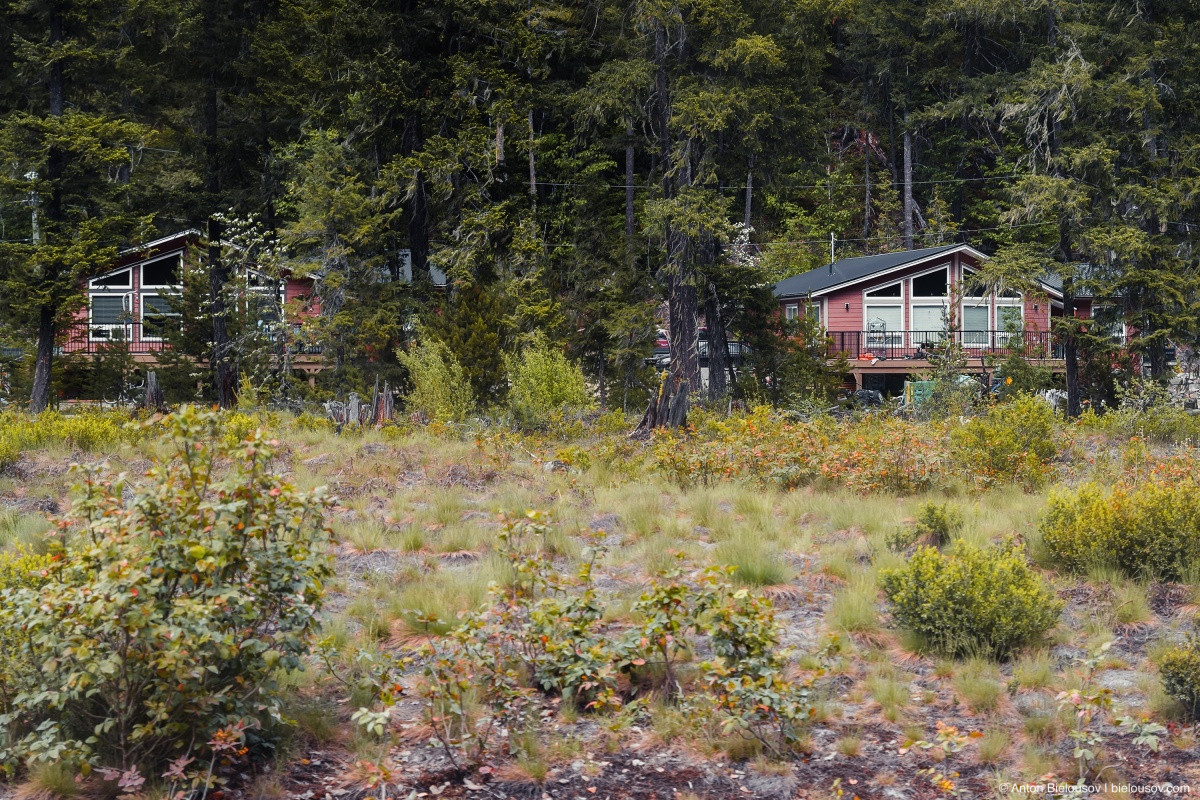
440	391
543	633
936	525
89	431
974	602
1013	442
544	384
1179	668
1148	529
168	616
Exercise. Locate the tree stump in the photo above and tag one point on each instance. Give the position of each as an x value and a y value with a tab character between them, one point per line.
154	400
667	409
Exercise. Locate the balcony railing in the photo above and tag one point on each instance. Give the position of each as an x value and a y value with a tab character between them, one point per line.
133	337
854	345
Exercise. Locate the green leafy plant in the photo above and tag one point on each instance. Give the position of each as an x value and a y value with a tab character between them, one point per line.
544	384
168	616
974	602
936	525
440	390
1085	704
1148	529
1013	442
1179	668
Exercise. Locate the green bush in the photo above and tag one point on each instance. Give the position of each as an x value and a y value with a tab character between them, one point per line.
164	619
975	602
1149	529
936	525
1013	441
544	383
440	390
89	431
1179	668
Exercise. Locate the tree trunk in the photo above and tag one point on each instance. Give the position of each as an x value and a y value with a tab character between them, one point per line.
867	186
418	204
224	373
718	345
48	312
908	184
680	269
1071	349
40	397
533	191
629	153
749	193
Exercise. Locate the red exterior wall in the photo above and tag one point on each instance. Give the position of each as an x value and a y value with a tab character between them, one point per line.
843	308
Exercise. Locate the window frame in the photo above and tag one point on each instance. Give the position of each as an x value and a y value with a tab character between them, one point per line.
887	338
102	331
142	305
143	285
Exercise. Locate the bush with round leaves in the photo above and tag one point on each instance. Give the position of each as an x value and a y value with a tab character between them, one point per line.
975	601
167	612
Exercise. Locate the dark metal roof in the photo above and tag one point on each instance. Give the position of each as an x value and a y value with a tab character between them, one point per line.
848	270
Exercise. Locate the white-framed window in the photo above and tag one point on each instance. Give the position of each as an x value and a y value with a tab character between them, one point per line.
1108	319
976	321
157	316
883	315
162	272
110	316
791	312
121	279
1010	317
929	305
813	310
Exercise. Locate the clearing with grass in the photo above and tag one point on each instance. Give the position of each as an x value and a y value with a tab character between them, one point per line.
254	602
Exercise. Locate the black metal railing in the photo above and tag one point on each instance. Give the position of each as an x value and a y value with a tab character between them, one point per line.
141	338
917	345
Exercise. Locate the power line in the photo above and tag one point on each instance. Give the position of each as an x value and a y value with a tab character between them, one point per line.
824	185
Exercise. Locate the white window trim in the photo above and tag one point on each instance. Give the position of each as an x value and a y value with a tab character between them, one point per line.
143	285
142	315
96	327
791	311
93	288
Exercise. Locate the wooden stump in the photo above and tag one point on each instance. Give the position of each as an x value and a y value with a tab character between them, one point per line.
154	400
667	409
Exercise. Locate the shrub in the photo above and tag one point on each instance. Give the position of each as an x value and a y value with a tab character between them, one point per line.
1013	441
936	525
975	602
544	382
440	390
164	619
1180	671
89	431
1150	528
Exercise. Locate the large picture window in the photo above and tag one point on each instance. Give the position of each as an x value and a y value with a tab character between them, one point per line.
157	316
883	316
109	317
930	299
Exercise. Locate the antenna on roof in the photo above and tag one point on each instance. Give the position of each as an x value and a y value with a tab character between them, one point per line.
832	244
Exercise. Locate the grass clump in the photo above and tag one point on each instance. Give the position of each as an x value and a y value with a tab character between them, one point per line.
1149	529
756	565
976	683
853	609
975	602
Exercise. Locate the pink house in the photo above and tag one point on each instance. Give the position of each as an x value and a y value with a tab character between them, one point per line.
883	311
131	303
